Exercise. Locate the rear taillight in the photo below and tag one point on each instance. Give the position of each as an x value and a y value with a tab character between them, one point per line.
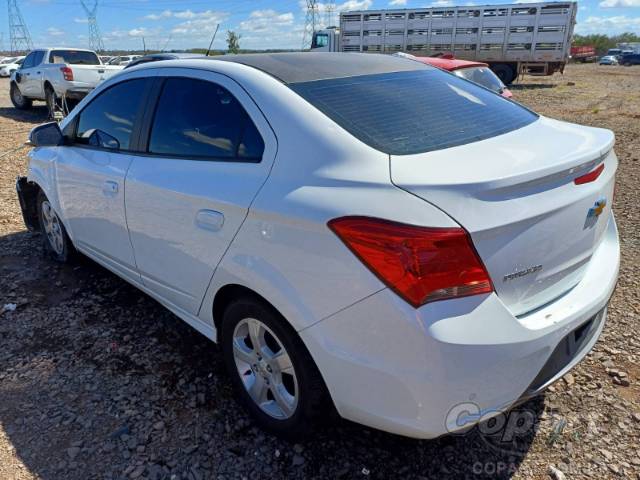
421	264
592	176
67	73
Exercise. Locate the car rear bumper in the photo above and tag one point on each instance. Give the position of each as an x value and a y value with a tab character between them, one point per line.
408	371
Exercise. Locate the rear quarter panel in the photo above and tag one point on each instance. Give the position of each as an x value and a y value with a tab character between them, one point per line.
284	251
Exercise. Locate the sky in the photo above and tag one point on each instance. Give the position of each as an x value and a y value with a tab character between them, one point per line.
180	24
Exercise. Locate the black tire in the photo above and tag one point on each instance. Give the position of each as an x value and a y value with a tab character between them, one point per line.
313	400
51	99
20	102
504	72
64	251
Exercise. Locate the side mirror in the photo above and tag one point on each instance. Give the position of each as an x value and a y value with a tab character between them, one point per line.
46	135
98	138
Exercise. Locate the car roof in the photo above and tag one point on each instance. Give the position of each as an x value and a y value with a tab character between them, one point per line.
449	64
298	67
66	48
173	55
156	57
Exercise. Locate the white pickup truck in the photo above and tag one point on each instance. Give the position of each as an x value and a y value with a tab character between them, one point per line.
60	76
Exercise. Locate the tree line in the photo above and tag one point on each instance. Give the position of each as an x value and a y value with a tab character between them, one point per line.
604	42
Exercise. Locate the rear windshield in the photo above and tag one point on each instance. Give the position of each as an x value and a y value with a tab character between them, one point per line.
74	57
412	112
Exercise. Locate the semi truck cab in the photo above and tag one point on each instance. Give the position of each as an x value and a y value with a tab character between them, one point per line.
326	40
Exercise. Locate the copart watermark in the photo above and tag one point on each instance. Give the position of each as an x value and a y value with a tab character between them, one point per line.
508	432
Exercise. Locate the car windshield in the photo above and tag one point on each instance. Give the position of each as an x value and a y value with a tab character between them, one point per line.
74	57
482	76
6	61
412	112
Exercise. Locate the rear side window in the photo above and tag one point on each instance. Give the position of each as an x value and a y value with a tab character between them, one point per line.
200	119
404	113
111	116
74	57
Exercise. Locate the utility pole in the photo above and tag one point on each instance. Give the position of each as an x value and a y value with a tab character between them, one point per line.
19	37
329	9
95	40
310	22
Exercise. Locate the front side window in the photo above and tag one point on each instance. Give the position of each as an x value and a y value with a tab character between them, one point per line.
37	60
107	122
29	60
74	57
199	119
320	40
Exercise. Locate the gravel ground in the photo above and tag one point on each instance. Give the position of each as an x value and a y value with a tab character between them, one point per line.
97	380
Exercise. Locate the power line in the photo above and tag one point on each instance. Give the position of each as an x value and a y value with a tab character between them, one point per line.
329	9
310	22
95	40
19	37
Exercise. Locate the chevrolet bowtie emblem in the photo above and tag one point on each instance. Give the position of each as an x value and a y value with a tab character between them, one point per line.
598	208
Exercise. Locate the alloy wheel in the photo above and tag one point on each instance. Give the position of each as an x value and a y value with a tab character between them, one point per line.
265	368
52	228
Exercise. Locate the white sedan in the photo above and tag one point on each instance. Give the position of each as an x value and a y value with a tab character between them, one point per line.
10	65
123	60
361	232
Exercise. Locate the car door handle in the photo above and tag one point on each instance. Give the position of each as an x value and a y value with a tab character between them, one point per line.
110	188
209	220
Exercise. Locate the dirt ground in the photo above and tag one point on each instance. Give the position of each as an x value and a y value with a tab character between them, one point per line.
98	381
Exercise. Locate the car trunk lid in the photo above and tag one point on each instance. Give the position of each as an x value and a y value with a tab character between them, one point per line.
533	227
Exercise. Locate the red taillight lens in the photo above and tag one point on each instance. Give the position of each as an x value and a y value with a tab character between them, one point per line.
421	264
67	73
592	176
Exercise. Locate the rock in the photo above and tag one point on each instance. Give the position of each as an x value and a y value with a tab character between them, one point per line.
569	380
556	474
607	454
137	473
158	425
189	450
73	452
124	430
298	460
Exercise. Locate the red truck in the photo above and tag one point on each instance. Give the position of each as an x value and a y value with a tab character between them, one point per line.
583	54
